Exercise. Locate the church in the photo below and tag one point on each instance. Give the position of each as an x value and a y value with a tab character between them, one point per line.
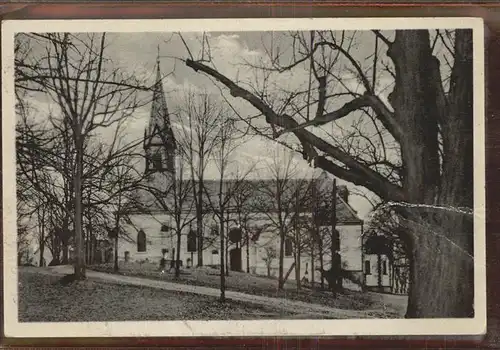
252	237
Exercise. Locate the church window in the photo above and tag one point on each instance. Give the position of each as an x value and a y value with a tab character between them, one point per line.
368	267
164	252
157	161
336	239
191	241
141	241
214	230
384	267
288	247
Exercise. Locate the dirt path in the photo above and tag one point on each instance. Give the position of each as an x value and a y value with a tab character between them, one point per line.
278	303
396	302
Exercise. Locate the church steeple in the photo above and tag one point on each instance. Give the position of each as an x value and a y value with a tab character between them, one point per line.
159	140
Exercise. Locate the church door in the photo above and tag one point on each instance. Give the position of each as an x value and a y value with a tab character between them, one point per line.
235	259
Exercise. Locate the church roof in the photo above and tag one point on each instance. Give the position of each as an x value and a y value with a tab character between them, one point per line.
251	196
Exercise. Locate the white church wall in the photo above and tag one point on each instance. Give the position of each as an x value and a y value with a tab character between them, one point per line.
351	246
350	252
47	255
372	274
156	240
350	249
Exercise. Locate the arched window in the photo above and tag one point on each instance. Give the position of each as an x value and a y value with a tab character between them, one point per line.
214	230
336	239
288	247
368	267
157	161
141	241
191	241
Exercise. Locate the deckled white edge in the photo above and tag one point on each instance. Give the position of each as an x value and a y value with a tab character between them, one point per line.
13	328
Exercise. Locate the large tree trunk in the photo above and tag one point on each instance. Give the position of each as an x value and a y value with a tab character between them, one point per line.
79	246
77	181
248	250
178	253
94	249
441	273
65	252
56	249
312	264
42	253
199	221
116	266
297	270
281	280
379	272
42	241
321	264
226	253
64	240
222	261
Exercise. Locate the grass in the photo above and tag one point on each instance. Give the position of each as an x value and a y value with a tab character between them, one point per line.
251	284
44	298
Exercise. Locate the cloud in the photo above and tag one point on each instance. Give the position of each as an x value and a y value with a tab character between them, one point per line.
136	54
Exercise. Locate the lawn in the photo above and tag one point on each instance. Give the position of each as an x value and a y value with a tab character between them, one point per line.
43	298
256	285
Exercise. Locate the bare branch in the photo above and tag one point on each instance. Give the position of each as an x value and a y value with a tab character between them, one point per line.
375	181
382	37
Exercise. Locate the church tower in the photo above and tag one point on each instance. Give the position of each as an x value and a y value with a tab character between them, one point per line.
159	140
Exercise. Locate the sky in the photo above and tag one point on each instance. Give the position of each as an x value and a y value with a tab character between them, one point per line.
231	52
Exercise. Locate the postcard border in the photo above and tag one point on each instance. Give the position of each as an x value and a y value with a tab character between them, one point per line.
13	328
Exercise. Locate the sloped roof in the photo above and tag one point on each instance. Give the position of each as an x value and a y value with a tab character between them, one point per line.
250	195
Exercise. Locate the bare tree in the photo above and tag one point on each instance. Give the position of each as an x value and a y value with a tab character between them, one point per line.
37	180
219	198
276	200
300	236
173	193
385	236
242	207
423	150
200	115
119	185
268	258
73	71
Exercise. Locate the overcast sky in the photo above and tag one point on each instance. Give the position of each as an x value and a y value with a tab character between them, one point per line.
136	53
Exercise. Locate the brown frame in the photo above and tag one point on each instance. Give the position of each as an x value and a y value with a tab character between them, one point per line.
489	11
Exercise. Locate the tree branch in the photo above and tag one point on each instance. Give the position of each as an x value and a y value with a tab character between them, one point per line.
382	37
374	181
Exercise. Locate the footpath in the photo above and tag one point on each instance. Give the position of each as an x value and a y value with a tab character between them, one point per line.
301	308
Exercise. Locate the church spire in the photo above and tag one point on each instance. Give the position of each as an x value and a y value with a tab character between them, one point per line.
159	118
159	141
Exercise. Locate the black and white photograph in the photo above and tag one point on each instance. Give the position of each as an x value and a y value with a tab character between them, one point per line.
243	177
